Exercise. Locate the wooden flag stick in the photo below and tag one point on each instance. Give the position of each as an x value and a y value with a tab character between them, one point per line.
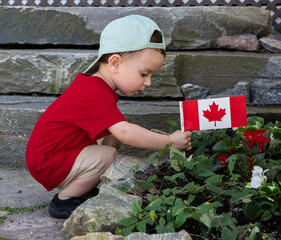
182	121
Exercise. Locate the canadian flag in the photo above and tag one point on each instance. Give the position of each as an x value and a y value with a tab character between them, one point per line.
213	113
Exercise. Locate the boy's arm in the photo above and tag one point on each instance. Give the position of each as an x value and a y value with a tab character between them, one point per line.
136	136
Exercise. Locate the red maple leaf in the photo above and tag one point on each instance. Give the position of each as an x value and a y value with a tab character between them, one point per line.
215	114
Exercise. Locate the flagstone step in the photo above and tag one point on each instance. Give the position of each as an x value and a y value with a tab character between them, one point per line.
19	114
189	75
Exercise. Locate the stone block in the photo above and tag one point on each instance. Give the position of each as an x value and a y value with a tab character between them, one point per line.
193	28
266	91
272	45
219	71
52	71
18	116
242	43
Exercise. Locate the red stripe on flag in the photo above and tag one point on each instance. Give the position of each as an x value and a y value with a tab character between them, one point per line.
190	115
238	111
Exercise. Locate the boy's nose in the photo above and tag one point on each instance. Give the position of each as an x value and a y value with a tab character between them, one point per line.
147	82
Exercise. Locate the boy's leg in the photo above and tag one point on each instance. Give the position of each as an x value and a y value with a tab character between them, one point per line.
84	183
84	176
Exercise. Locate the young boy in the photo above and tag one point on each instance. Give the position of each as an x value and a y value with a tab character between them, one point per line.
62	151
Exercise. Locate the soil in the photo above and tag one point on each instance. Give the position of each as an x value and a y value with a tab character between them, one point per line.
272	226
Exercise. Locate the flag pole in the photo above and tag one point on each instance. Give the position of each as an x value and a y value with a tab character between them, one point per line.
182	121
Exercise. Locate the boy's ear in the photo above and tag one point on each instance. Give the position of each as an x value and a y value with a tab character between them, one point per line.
113	62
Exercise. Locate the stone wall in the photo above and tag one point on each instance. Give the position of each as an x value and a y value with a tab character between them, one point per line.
211	51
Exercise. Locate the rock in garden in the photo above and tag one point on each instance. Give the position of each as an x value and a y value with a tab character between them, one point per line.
266	91
194	92
241	88
100	213
182	235
272	45
99	236
247	43
121	167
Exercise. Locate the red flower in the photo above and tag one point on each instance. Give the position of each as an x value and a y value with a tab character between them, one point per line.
256	137
222	158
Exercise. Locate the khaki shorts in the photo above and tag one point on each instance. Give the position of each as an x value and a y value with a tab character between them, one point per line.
90	161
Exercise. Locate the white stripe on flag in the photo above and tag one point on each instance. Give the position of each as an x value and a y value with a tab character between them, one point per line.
222	104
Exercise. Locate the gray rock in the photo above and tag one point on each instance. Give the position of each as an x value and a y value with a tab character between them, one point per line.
31	226
52	71
195	27
101	213
182	235
20	190
266	91
241	88
99	236
242	43
194	92
272	45
200	28
120	168
3	213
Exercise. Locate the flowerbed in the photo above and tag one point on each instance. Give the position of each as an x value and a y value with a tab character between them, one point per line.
228	187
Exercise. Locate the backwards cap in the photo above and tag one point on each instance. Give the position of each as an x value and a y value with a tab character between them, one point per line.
126	34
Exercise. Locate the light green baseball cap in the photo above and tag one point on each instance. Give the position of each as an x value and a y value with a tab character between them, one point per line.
126	34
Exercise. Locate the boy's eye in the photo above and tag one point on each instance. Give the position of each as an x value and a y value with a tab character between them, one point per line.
143	75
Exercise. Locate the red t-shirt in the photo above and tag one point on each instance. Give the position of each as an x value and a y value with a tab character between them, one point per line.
76	119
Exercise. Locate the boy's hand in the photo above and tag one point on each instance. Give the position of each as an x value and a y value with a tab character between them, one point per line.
181	140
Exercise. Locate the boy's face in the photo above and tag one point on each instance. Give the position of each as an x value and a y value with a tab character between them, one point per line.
135	71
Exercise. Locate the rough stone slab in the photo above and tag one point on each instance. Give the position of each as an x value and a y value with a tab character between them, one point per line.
19	190
18	116
272	45
266	91
219	71
32	225
182	235
99	236
194	27
52	71
102	212
120	168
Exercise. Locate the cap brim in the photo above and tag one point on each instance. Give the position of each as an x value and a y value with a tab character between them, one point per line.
93	68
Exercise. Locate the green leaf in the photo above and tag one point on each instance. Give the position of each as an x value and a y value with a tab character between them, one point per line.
214	179
266	215
254	233
174	177
136	208
153	215
152	158
238	194
178	207
190	198
252	210
270	190
206	219
128	230
231	162
227	234
255	121
188	186
170	200
155	205
141	226
181	218
222	146
214	188
127	221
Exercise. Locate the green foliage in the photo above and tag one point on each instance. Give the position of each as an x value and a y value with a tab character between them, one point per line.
215	186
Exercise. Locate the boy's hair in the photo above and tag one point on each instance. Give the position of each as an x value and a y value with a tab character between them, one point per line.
155	38
126	36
